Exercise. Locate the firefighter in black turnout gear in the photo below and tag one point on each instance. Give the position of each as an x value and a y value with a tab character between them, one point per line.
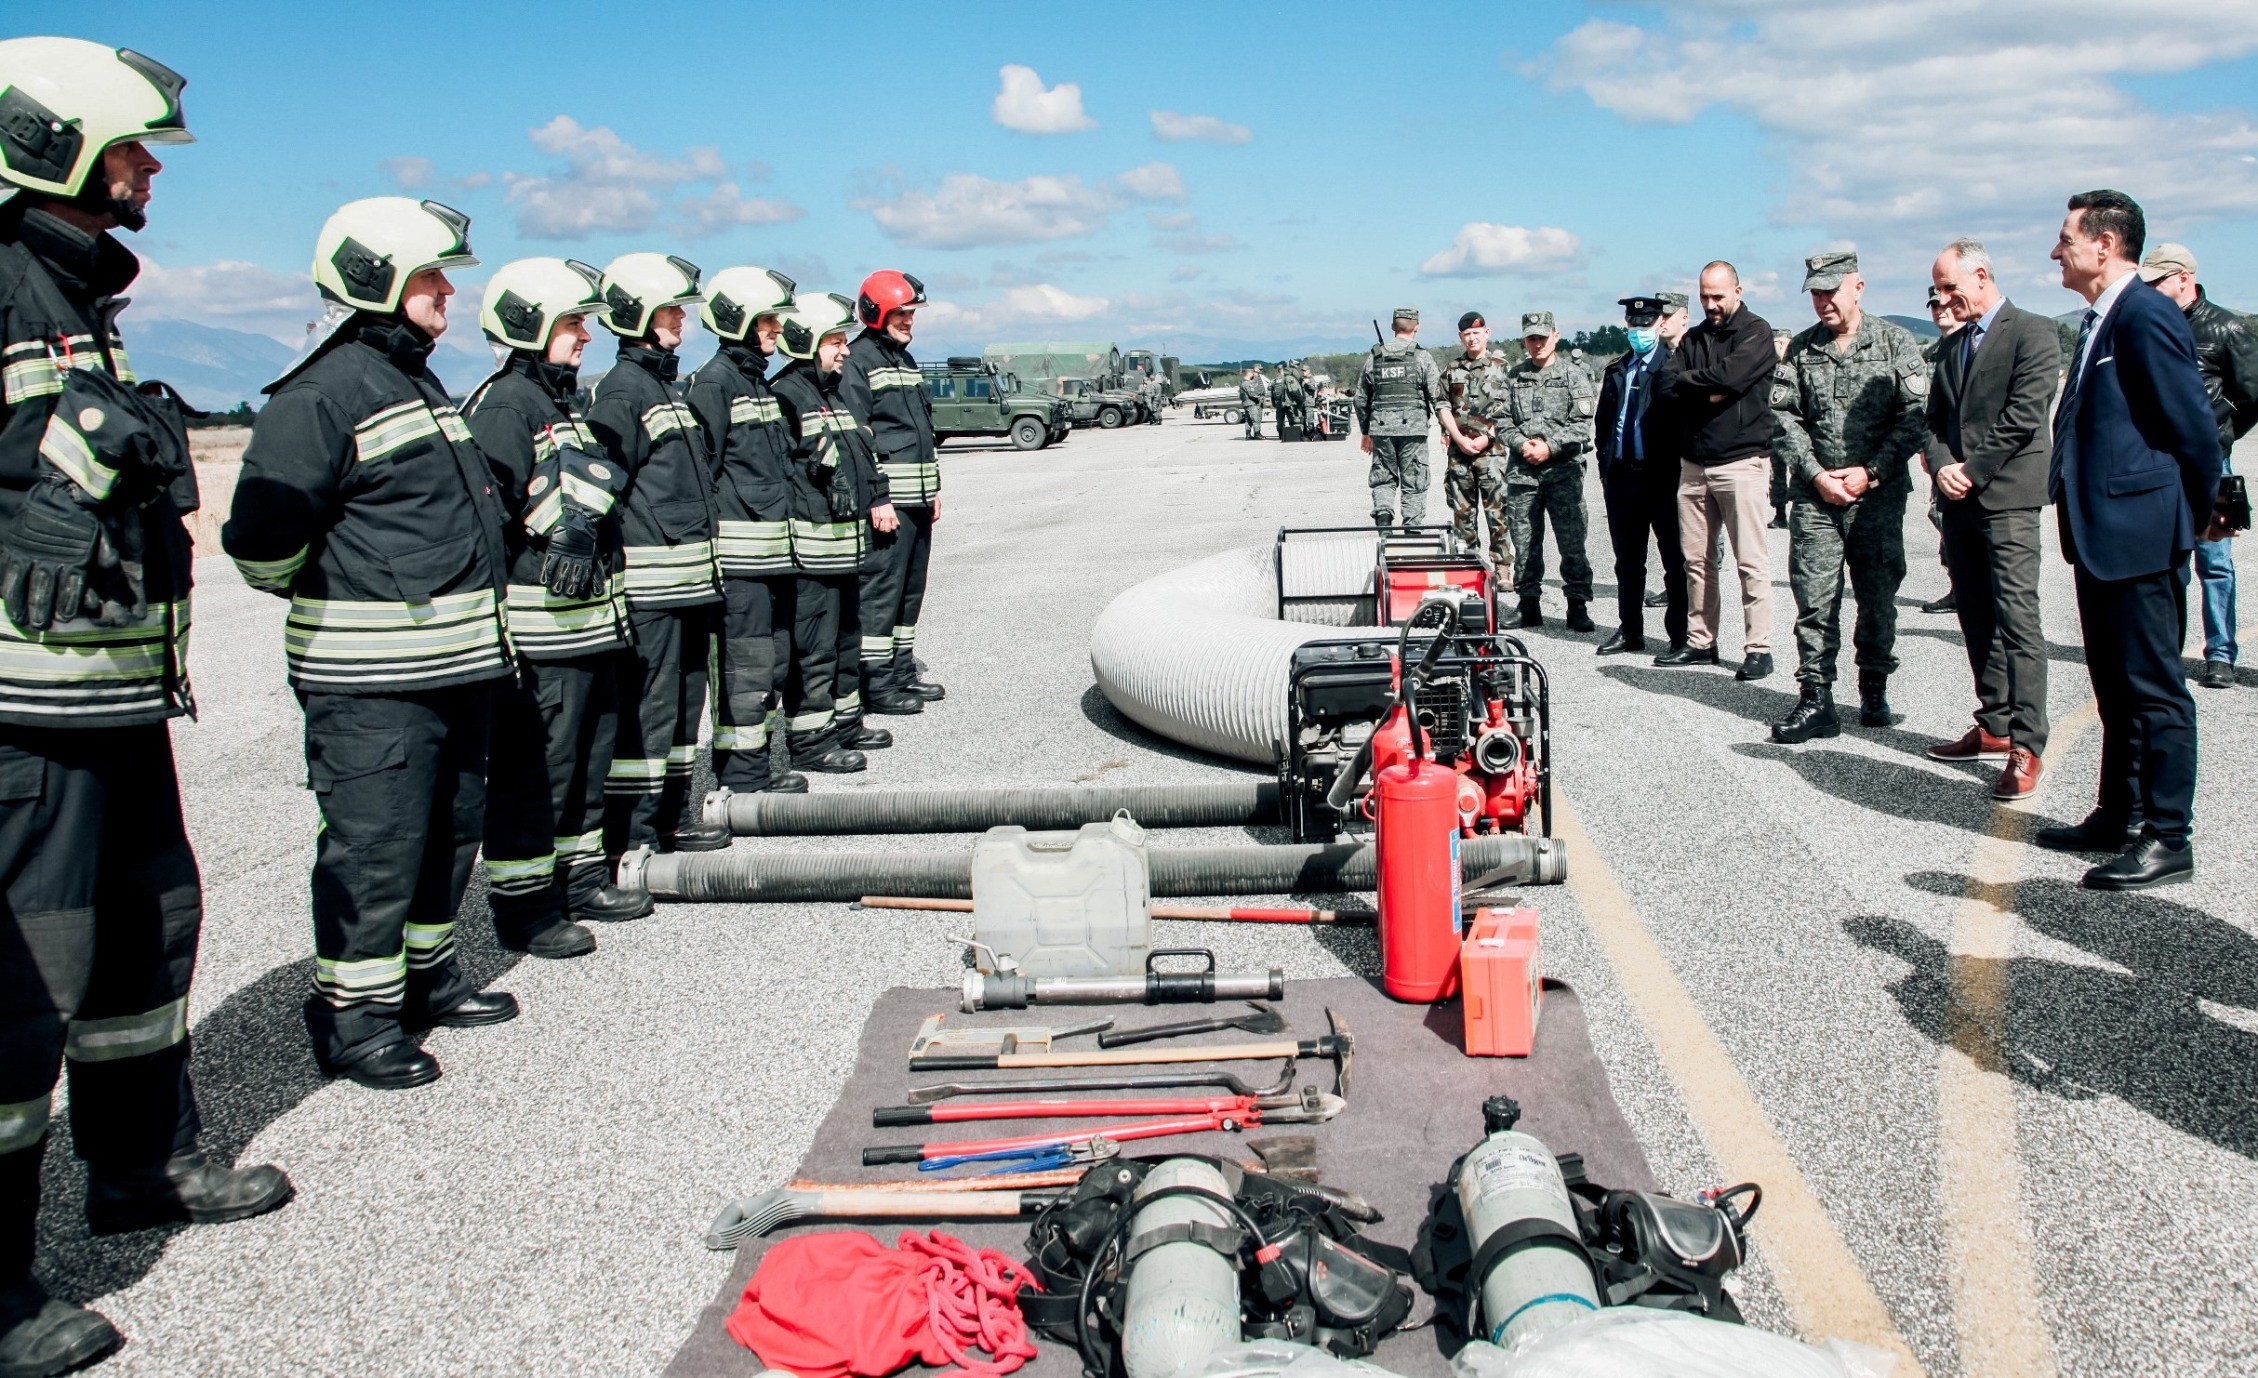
886	392
673	590
365	502
839	498
102	907
752	449
556	722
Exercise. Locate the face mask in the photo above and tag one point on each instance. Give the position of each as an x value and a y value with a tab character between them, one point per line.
1642	338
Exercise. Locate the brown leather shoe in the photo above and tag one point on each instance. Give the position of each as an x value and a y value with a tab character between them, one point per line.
1975	745
2020	779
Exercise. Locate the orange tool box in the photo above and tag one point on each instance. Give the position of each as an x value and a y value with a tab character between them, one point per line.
1501	979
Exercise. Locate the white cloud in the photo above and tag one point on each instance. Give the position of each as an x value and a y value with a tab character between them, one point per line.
609	186
1906	121
1018	308
1481	249
1153	182
407	173
1204	129
231	292
1183	272
1023	103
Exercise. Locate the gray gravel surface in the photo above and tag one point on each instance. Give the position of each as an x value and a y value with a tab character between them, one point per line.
539	1208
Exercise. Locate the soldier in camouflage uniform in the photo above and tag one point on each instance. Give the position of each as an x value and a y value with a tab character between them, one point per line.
1554	401
1477	405
1849	411
1398	391
1253	392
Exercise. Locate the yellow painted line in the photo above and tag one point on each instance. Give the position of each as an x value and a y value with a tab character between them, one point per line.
1826	1291
1996	1317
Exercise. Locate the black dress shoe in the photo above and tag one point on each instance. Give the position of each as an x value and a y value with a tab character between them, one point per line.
2096	833
1580	617
2147	863
700	836
610	904
552	937
1687	655
1657	599
1620	644
1756	665
476	1011
1949	603
185	1187
42	1336
787	783
1812	716
394	1067
868	739
831	760
2216	674
1532	613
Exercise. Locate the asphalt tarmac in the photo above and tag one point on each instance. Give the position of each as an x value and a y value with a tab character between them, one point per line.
2027	1114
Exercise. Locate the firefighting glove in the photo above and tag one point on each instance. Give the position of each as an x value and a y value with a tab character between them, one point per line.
568	565
47	550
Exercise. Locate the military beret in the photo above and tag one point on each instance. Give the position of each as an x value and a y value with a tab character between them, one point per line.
1676	301
1537	323
1643	310
1405	313
1470	320
1824	272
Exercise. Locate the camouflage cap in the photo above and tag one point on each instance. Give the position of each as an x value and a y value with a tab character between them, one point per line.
1675	301
1405	313
1824	272
2166	259
1537	323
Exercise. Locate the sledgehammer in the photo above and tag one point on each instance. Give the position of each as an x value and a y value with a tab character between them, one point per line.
1337	1045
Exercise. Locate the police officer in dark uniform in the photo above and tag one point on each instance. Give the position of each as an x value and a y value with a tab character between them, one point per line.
102	906
1638	473
839	500
881	383
365	502
673	589
556	723
752	448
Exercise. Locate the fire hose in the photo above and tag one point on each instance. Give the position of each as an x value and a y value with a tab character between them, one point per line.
1224	804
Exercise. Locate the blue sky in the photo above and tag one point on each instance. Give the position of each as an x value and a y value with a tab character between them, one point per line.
1506	156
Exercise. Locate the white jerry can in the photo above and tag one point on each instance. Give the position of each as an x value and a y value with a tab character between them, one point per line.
1063	904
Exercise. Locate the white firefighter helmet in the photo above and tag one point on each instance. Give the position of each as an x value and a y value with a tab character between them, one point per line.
368	249
735	297
64	100
813	317
525	300
637	285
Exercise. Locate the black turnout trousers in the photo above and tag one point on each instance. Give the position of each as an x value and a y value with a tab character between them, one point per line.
555	726
893	594
756	652
103	908
1642	501
401	780
822	696
662	699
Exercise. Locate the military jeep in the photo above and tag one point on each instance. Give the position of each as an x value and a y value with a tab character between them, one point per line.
973	397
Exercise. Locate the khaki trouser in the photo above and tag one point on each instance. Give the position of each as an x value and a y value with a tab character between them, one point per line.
1737	499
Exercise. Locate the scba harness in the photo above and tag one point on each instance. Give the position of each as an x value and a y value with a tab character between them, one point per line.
1306	1273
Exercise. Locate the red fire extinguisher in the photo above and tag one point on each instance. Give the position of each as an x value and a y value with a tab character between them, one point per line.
1415	810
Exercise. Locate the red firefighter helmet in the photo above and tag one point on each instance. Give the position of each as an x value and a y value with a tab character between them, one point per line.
885	292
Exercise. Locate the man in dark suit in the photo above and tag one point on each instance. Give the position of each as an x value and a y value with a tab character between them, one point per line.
2136	480
1994	383
1638	473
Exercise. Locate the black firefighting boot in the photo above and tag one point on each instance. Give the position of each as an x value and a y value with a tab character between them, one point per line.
909	679
1873	701
551	936
608	903
185	1187
823	753
43	1336
1532	613
1812	716
882	694
1579	617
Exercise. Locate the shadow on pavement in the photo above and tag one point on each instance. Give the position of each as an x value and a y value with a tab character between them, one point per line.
1716	688
252	1064
1102	715
2139	1034
1884	786
2055	650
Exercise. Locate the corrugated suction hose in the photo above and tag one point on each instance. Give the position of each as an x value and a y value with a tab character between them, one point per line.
1224	804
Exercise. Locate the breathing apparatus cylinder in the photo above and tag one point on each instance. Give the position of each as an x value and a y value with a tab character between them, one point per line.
1183	1295
1528	1256
1416	838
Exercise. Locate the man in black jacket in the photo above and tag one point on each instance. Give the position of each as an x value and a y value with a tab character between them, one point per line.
1720	383
2226	351
1988	409
1638	446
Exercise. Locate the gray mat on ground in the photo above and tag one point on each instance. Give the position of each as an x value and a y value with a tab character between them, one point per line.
1414	1106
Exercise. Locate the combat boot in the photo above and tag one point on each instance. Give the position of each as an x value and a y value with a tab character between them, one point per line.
1874	702
41	1336
551	936
185	1187
1812	716
1580	619
1532	613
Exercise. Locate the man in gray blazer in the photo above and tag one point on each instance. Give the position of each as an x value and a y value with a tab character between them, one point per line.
1988	410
